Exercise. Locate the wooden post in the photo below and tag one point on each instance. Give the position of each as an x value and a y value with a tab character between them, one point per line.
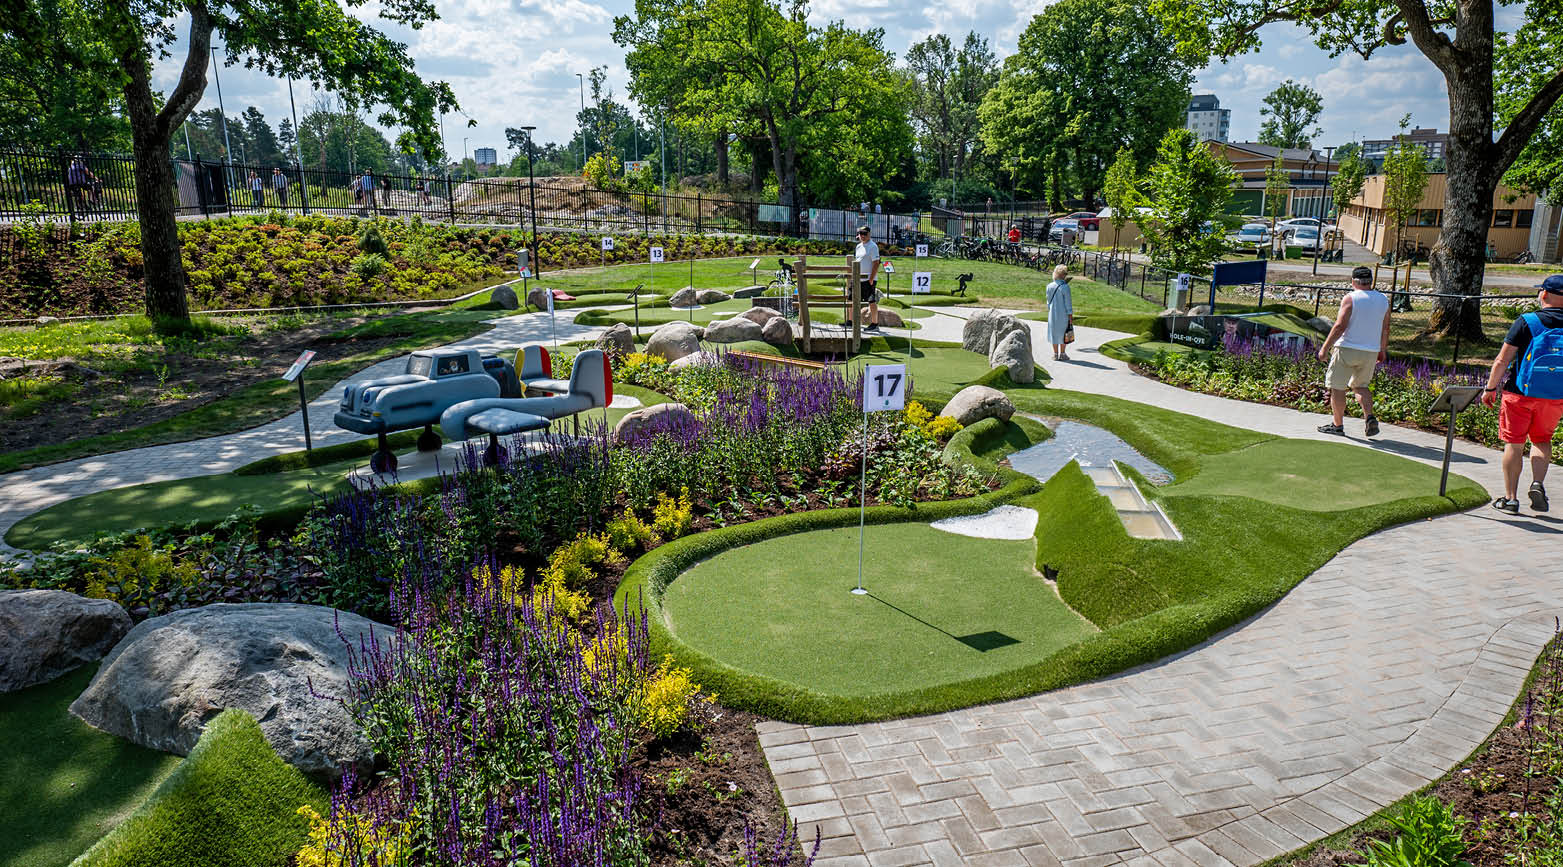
801	272
854	296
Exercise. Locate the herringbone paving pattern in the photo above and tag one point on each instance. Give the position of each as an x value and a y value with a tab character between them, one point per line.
1371	678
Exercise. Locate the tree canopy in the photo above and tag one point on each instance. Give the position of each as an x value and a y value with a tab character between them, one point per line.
946	91
1289	111
1188	188
1087	77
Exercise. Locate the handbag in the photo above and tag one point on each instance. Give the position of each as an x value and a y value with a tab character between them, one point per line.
1069	334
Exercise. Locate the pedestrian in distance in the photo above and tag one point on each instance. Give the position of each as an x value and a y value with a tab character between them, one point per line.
1353	350
279	183
867	255
257	190
1527	377
1014	234
366	187
79	181
1060	312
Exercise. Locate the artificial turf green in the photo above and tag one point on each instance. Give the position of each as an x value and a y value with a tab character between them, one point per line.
283	484
1245	545
651	317
232	801
65	784
941	608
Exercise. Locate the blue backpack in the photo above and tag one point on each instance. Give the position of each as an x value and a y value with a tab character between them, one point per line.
1540	372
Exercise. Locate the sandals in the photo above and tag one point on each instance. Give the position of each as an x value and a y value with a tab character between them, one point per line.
1336	429
1538	497
1506	505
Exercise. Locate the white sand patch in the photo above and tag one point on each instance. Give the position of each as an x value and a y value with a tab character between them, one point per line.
1004	522
625	401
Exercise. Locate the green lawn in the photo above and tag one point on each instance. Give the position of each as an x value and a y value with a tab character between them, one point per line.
651	317
284	483
65	783
941	608
231	802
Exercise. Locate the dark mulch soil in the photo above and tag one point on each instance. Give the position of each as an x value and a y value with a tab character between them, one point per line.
115	398
1498	781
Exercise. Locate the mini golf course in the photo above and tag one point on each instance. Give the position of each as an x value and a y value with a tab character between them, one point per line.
768	619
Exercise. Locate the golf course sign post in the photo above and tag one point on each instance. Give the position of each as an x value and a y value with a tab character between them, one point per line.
884	389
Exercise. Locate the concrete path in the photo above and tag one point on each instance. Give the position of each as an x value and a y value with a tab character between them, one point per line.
1374	676
27	491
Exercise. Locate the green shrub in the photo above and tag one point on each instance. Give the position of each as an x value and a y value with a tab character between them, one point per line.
232	801
370	240
368	265
1430	836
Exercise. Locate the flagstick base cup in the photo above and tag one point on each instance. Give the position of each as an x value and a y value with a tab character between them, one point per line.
859	592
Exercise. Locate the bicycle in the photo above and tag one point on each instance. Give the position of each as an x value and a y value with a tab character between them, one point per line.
1524	257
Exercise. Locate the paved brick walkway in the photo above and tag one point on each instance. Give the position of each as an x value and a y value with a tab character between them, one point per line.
1371	678
28	491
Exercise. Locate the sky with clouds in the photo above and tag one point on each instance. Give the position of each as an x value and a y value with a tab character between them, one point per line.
513	62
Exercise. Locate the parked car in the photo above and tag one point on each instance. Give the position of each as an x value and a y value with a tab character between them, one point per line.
1253	234
1088	221
1307	237
1060	225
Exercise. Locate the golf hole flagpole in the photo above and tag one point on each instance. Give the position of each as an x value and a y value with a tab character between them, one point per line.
884	388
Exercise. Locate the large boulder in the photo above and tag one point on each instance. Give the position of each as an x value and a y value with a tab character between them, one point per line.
46	633
285	664
641	422
760	315
777	332
890	319
1014	353
695	358
734	330
538	298
1171	311
618	340
986	328
977	402
685	297
1200	310
505	298
674	340
749	292
1322	324
712	296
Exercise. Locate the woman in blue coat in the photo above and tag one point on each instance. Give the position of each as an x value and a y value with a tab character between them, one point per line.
1060	311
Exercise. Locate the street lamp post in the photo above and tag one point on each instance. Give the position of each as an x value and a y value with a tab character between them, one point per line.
464	156
298	151
222	117
537	260
1329	153
582	81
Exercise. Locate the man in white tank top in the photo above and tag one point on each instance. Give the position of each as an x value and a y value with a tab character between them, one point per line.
1355	346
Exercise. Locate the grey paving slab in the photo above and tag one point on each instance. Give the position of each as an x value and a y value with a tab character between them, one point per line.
1380	671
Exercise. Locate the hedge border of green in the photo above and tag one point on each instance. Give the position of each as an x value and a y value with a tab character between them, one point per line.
1138	642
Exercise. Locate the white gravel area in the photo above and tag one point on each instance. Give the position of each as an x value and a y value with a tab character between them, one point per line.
1004	522
625	401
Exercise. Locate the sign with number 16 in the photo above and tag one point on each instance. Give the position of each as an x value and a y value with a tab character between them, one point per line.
884	387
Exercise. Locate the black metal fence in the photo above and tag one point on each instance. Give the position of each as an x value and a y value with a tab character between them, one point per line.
101	187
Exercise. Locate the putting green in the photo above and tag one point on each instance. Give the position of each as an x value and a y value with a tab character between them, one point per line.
942	608
1316	476
654	316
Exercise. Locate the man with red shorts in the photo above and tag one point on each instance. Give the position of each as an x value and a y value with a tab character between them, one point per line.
1530	366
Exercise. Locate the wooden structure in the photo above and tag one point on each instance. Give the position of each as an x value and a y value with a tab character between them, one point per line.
766	359
814	339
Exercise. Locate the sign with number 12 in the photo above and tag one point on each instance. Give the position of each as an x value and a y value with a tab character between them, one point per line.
922	282
884	387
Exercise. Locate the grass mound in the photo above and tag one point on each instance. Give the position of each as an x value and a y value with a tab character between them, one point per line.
231	801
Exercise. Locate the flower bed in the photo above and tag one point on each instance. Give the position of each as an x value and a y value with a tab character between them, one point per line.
281	261
1292	376
519	713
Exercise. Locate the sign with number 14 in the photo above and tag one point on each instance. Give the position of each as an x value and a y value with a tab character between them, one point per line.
884	387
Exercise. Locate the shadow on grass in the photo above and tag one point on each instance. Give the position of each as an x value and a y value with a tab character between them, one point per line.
66	784
982	642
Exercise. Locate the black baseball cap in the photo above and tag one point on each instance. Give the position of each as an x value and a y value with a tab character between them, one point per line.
1553	284
1362	272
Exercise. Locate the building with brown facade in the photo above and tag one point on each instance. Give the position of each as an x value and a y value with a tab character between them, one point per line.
1519	221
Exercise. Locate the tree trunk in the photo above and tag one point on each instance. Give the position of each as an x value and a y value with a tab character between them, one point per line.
1055	199
1458	258
721	159
160	247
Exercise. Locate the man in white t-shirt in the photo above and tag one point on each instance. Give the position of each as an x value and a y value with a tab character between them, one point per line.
1354	348
867	255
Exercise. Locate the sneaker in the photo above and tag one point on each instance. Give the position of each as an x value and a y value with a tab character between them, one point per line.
1504	504
1538	497
1338	430
1370	426
873	326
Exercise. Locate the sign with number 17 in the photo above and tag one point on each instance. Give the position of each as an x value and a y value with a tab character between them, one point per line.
884	387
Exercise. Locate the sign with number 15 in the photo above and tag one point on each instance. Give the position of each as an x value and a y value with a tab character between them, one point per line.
884	387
